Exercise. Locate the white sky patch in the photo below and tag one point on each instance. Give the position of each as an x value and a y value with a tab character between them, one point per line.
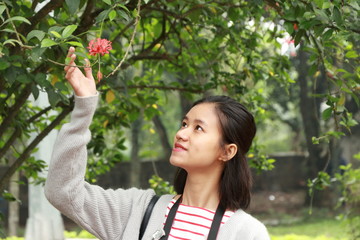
39	6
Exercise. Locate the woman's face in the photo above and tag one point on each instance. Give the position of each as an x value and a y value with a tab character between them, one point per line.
197	142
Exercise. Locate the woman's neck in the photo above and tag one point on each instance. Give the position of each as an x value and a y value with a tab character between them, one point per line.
201	191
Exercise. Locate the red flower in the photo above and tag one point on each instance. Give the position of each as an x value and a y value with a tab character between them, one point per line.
99	45
296	27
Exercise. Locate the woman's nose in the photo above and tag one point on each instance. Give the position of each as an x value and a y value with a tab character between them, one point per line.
182	134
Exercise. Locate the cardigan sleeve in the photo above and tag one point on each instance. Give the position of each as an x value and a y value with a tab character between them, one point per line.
104	213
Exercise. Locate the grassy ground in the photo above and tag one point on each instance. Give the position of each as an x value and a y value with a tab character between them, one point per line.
319	229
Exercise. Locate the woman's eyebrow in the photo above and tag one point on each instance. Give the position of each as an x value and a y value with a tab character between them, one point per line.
198	121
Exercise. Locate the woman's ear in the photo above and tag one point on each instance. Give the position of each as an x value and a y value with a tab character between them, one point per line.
229	152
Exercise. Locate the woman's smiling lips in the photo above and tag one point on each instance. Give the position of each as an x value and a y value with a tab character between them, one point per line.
178	148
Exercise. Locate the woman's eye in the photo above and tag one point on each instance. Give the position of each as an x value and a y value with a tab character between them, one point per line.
183	124
199	128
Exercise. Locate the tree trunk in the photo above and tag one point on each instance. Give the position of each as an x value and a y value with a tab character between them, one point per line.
13	219
310	112
135	146
161	130
350	145
318	154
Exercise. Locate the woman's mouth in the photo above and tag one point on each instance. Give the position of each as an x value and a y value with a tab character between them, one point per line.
178	147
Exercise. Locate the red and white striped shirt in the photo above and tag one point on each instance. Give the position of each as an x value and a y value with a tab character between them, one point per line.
192	223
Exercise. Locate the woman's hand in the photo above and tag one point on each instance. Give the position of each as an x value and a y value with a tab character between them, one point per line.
83	85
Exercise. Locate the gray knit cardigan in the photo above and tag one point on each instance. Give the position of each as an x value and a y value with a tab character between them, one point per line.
114	214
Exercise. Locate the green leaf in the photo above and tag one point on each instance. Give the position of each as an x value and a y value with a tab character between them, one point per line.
35	33
7	30
146	1
328	34
69	30
53	97
103	15
8	196
319	30
124	15
351	54
12	42
308	15
18	18
355	5
4	64
40	78
319	3
56	34
35	91
48	43
73	5
344	89
335	134
23	78
326	114
73	43
61	86
337	16
56	28
123	7
321	15
112	15
289	27
326	5
135	13
341	70
36	53
2	9
313	69
298	37
107	2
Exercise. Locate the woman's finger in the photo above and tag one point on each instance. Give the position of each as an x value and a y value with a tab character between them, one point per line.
72	57
88	70
71	63
69	73
71	51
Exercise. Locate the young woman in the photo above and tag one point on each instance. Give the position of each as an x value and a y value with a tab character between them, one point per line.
213	181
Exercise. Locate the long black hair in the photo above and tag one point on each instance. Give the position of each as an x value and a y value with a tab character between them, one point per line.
238	126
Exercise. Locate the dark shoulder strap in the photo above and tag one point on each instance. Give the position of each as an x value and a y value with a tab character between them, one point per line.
216	222
147	215
170	218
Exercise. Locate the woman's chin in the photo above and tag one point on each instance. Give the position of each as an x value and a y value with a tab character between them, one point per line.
175	161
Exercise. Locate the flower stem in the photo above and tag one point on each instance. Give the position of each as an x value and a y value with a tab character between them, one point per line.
99	60
62	64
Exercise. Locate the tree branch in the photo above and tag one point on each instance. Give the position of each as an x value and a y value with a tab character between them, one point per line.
87	18
34	4
355	30
10	141
14	109
34	117
161	88
26	153
275	5
35	19
18	131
